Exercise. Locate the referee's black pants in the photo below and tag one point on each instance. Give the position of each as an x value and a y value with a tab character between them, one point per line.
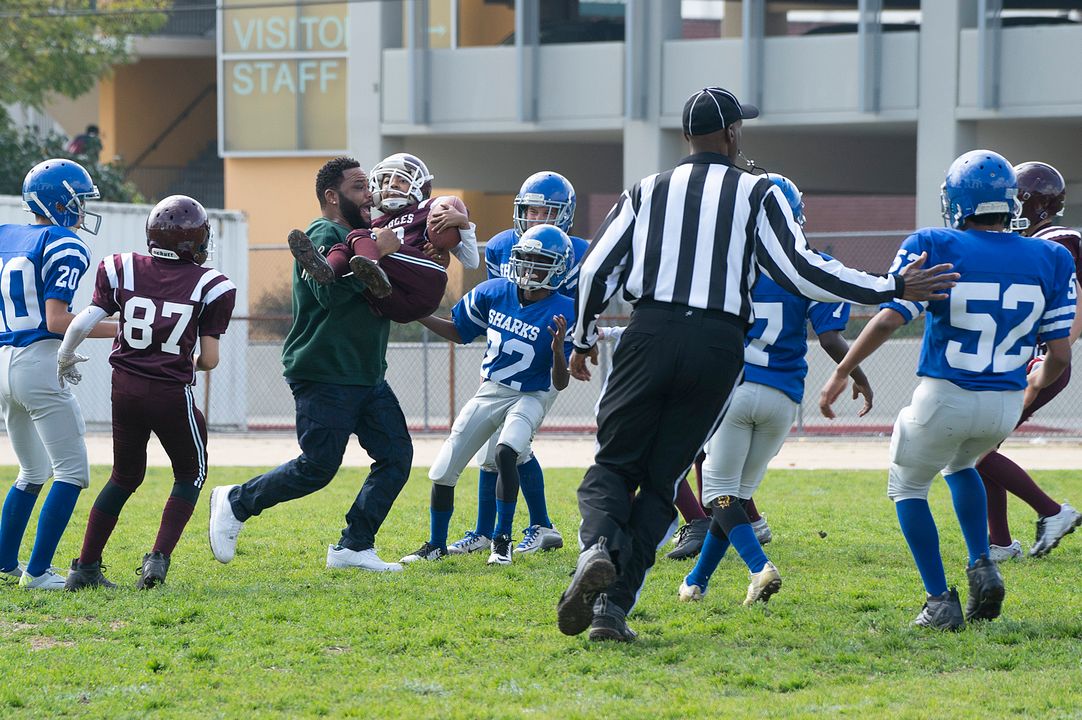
672	374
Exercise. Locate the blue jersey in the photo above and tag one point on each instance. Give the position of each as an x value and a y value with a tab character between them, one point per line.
776	345
37	263
498	261
1013	291
519	353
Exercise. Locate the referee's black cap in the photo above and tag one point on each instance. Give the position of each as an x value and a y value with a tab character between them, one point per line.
712	109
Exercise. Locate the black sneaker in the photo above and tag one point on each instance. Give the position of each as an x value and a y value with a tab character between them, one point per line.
501	550
689	539
986	590
371	274
152	572
593	574
428	551
309	258
86	576
942	612
610	622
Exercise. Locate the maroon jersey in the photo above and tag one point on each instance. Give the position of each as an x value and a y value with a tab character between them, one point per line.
410	223
1068	238
164	307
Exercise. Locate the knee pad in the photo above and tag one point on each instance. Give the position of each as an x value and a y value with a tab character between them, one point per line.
903	485
728	512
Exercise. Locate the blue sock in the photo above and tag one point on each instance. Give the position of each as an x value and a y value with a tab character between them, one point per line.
505	517
920	532
439	520
16	514
713	551
532	483
751	552
486	503
971	507
55	513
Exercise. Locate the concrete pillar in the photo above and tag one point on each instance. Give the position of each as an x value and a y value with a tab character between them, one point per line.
940	137
365	60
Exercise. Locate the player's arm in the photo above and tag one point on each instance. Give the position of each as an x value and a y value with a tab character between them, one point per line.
58	319
1076	325
77	328
466	250
443	327
561	376
874	334
836	347
207	359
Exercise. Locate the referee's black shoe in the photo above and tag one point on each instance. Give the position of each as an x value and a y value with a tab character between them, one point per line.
689	539
594	573
610	622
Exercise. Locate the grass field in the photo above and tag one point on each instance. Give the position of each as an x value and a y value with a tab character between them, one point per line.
275	634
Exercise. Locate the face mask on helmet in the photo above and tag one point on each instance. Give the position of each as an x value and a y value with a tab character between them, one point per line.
541	258
981	182
399	180
178	229
552	198
57	190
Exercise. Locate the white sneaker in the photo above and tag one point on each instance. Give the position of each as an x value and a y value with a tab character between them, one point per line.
537	538
501	550
763	584
1000	553
1052	529
48	580
471	542
224	526
762	531
690	593
342	557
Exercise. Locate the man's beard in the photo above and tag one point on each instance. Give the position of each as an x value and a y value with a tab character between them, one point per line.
354	214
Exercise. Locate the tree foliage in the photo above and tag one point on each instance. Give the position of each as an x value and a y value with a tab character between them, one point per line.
65	46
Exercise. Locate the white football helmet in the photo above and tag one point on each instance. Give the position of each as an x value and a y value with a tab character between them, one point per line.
399	180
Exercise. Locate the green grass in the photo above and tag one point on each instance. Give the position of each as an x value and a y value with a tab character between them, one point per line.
275	634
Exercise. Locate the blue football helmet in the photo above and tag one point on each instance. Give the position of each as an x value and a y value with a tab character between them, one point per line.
549	190
792	194
981	182
541	258
58	189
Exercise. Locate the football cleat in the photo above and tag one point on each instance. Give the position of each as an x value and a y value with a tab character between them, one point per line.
152	571
309	258
763	584
610	622
1052	529
689	539
942	612
48	580
471	542
986	590
1002	553
762	531
501	550
82	577
343	557
690	593
428	551
538	537
371	274
594	573
13	574
224	526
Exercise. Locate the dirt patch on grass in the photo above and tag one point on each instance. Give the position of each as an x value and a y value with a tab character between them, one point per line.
48	643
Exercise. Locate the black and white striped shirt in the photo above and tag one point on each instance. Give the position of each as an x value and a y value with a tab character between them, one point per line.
698	235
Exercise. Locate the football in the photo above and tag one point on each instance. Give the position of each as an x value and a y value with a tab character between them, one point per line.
446	239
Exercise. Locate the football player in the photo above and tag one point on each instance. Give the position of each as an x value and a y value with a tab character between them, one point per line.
1013	293
525	365
404	274
545	198
761	412
1042	191
43	263
165	301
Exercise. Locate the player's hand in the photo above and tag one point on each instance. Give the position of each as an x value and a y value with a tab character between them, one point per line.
558	333
443	257
929	284
387	241
834	387
865	389
578	367
66	370
445	217
1032	375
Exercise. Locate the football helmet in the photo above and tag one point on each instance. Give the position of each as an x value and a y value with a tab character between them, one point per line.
178	229
980	182
58	189
408	170
541	258
792	194
550	190
1041	190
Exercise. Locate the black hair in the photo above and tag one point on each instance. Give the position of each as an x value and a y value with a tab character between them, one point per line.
330	176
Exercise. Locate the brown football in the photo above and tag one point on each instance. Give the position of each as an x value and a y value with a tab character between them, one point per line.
448	238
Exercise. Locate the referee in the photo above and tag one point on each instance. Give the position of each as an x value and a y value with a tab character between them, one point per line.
686	246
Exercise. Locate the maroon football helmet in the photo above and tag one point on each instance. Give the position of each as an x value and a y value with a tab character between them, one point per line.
1042	191
178	229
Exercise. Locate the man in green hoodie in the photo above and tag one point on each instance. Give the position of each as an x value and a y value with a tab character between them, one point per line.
335	357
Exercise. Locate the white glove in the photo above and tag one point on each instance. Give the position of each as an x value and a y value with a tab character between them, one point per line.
66	370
